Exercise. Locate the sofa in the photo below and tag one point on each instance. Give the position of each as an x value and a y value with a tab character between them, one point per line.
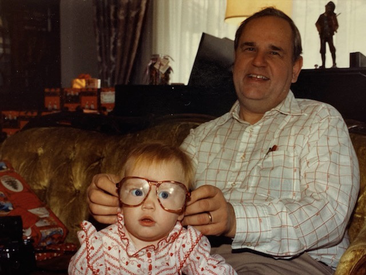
59	161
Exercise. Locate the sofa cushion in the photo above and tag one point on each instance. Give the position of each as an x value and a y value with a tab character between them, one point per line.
60	162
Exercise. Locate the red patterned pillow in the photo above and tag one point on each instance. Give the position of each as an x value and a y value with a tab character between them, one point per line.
18	199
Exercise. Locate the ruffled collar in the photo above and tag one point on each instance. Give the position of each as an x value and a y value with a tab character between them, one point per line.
130	248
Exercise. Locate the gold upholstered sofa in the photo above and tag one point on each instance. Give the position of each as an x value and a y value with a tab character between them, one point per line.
59	163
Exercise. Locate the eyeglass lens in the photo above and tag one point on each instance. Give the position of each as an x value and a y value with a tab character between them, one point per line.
171	195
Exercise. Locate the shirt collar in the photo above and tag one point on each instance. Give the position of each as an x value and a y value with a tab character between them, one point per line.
289	106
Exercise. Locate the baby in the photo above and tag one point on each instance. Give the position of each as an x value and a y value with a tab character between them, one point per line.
148	237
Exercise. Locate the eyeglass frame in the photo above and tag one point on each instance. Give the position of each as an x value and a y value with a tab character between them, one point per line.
157	184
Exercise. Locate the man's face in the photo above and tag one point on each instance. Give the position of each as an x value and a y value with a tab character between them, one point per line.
263	68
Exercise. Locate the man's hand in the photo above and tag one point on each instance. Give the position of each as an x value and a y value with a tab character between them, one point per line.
205	201
103	199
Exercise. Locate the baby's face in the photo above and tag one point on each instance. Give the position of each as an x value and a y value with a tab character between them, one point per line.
149	222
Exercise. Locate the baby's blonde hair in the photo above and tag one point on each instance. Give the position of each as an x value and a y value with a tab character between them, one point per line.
160	153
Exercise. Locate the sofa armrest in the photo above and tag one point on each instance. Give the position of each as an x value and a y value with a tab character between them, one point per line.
353	261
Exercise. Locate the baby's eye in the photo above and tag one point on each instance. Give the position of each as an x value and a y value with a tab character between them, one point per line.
137	192
164	195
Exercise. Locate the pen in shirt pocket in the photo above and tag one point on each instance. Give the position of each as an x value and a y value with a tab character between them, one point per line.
271	149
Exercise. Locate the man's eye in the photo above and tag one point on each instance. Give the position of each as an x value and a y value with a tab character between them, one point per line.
137	192
249	49
275	53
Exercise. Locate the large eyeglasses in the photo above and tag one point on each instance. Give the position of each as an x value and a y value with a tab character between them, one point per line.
172	195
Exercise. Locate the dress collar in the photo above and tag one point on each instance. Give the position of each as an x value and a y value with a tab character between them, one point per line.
130	248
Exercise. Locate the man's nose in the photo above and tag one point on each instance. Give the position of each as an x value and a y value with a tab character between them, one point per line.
259	59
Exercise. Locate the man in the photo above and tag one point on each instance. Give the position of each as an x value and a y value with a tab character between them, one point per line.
277	178
327	25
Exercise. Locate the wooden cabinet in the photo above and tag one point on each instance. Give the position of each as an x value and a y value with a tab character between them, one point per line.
345	89
32	28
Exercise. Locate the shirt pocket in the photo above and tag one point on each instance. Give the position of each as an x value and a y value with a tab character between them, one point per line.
277	175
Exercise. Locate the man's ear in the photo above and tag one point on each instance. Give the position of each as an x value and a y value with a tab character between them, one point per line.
296	69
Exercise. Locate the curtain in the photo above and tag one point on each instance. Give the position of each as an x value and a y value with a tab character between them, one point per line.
118	27
178	26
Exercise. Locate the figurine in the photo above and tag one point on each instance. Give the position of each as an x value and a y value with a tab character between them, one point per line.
327	25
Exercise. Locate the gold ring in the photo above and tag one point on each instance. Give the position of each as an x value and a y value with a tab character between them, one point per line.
209	217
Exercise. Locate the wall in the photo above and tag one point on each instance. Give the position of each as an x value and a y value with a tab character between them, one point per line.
78	46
